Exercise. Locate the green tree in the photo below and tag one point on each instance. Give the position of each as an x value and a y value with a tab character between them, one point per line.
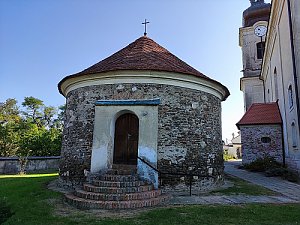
33	107
37	132
48	114
9	120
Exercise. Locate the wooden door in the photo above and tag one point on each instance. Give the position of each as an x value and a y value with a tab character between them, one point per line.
126	139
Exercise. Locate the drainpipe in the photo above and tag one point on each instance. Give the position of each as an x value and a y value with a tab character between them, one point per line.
263	81
294	62
282	139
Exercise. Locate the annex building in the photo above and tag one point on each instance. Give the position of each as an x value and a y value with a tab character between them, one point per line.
270	42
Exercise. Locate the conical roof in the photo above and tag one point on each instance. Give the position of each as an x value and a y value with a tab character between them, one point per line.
142	54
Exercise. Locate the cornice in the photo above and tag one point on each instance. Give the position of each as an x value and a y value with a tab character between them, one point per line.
146	77
276	11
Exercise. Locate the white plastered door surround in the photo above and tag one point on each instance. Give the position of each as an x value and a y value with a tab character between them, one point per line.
106	114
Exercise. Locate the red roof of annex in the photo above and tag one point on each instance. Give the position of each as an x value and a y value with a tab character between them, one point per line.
261	113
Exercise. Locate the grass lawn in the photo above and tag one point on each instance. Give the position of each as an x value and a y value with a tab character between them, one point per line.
32	203
243	187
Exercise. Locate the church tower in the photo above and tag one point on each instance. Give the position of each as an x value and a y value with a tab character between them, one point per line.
252	41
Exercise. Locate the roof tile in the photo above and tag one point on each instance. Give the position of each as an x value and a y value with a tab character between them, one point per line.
261	113
143	54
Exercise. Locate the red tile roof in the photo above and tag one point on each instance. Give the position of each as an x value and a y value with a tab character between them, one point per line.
261	113
142	54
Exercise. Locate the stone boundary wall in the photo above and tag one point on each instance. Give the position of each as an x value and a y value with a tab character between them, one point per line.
11	165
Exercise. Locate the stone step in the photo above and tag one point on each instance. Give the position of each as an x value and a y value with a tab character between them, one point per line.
116	190
118	178
117	197
119	184
131	204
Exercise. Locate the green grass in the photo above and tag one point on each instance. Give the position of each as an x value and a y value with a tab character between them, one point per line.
243	187
30	203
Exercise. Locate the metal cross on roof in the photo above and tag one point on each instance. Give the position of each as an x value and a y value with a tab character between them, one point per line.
145	23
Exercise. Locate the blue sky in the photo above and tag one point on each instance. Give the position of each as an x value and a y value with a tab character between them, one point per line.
41	42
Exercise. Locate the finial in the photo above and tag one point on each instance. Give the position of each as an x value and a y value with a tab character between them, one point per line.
145	23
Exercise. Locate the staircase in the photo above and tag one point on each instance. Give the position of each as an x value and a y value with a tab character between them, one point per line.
119	188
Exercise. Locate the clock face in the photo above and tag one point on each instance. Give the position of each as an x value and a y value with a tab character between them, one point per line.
260	31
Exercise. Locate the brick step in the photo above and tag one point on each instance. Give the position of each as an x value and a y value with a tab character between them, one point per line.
118	178
117	197
116	190
119	184
121	172
123	167
92	204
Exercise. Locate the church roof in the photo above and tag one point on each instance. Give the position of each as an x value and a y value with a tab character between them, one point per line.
142	54
261	113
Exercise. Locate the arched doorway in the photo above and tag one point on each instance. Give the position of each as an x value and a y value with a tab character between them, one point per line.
126	139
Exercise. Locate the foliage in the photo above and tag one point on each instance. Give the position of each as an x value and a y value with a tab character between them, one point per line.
262	164
272	168
285	173
33	204
35	131
227	156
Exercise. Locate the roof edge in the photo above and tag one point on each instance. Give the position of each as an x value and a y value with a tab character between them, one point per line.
225	92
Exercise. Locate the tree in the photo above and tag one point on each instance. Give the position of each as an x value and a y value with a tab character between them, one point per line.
33	106
9	119
9	111
48	115
36	131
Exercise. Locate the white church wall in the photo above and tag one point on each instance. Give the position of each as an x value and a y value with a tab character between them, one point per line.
103	138
279	55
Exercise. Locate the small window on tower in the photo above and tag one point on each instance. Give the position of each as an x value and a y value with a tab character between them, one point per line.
260	47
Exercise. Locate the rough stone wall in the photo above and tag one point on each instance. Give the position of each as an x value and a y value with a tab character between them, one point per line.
11	165
253	147
189	130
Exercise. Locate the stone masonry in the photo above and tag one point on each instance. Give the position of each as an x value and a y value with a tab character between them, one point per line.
253	147
189	131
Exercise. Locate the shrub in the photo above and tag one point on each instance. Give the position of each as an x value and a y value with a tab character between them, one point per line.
263	164
271	168
227	156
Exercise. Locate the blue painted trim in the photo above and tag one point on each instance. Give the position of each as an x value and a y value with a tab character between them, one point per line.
155	101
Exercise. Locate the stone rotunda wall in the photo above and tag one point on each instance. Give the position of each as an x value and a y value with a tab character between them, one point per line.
189	131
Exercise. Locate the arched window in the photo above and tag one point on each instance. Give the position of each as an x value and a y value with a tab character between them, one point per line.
276	83
291	97
260	48
294	135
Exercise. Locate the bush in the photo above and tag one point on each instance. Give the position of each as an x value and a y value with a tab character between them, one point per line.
226	156
263	164
271	168
5	211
